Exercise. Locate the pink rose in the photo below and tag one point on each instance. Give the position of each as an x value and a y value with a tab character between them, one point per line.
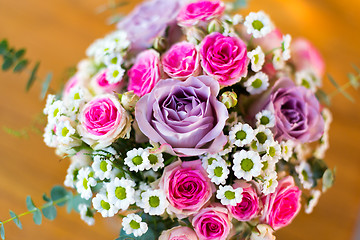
102	121
145	73
187	187
281	207
181	61
73	82
306	57
178	233
224	58
200	11
212	222
99	84
248	208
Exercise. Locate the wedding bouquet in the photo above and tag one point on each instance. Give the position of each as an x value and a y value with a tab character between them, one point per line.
191	122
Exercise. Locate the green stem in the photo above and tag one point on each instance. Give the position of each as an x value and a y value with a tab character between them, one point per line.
342	88
272	50
60	200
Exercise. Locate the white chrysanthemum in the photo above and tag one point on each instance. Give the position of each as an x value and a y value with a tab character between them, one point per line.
327	118
132	224
208	159
269	164
114	74
102	167
49	135
270	183
154	201
86	214
142	188
85	182
305	174
278	60
121	192
49	101
287	149
218	172
155	160
257	83
113	59
119	40
102	204
305	78
247	164
257	58
56	110
64	131
258	24
136	160
312	202
75	99
229	196
265	118
274	150
241	134
72	173
263	138
323	147
286	47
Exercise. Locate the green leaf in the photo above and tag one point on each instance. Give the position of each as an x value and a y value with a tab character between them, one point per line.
336	85
318	167
328	179
353	80
45	85
20	53
323	97
37	217
32	76
8	62
58	192
30	204
49	212
4	46
21	65
16	220
46	198
240	4
75	201
2	231
150	234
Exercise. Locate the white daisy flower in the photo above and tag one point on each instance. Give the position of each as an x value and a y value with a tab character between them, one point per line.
156	160
270	183
72	173
286	47
257	58
102	204
208	159
247	164
257	83
132	224
218	172
49	101
229	196
49	135
154	201
85	182
56	110
312	202
142	188
114	74
120	40
269	164
136	160
304	78
305	174
287	149
327	118
258	24
86	214
113	59
121	192
278	60
263	138
274	150
102	167
323	147
265	118
241	134
64	131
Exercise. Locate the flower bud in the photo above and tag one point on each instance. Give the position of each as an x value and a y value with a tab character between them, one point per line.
129	100
195	35
229	99
215	26
160	44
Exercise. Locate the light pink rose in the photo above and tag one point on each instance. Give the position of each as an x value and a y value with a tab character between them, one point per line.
248	208
102	121
178	233
200	11
281	207
212	222
145	73
73	82
224	58
187	187
262	232
99	84
306	57
181	61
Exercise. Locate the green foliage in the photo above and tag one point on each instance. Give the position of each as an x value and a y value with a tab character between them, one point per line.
32	77
58	192
328	179
49	212
16	219
2	231
45	85
237	4
12	58
340	89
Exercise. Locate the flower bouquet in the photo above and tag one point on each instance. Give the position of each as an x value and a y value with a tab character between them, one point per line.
192	122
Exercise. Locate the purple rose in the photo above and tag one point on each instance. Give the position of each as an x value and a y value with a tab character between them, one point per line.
148	21
185	115
297	112
224	58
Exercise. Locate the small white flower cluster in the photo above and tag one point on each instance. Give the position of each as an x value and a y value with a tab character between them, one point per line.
143	159
324	140
258	24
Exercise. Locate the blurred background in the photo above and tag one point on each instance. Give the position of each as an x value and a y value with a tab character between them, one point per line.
57	33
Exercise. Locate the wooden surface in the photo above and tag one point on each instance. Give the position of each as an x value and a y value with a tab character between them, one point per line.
57	32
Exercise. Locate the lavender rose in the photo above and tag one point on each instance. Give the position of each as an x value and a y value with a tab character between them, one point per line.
185	115
224	58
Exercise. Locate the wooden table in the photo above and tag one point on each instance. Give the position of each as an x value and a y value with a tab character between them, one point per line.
57	32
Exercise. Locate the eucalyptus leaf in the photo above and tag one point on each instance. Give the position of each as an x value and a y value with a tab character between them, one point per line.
353	80
20	53
37	217
46	198
8	62
45	85
58	192
2	231
49	212
336	85
323	97
21	65
328	179
16	220
318	167
4	46
76	201
30	204
32	76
